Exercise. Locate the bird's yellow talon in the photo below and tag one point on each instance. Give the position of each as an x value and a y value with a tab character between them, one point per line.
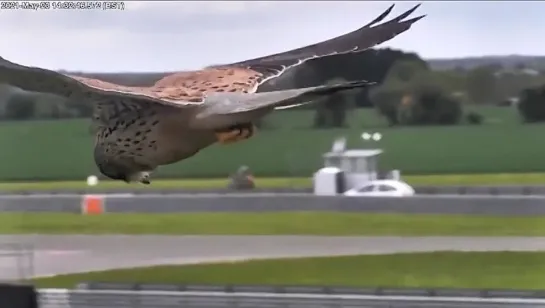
237	133
227	137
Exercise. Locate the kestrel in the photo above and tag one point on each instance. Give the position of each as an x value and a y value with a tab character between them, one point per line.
141	128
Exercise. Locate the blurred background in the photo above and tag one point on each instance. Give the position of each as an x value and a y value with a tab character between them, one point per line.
459	102
457	111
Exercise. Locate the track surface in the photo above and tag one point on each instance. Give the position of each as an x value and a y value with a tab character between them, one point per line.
81	253
264	203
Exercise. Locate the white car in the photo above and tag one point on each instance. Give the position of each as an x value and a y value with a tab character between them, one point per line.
381	188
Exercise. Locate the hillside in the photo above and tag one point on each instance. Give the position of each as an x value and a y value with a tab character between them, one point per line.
510	61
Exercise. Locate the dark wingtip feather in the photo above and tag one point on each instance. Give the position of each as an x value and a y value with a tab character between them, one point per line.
414	8
405	15
415	19
380	17
368	36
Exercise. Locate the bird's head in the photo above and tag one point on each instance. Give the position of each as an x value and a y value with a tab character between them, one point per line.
124	170
116	172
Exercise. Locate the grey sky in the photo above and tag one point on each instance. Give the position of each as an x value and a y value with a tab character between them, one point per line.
170	36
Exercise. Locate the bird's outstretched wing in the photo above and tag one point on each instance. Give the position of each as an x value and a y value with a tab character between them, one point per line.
47	81
190	89
111	101
244	78
236	107
225	109
368	36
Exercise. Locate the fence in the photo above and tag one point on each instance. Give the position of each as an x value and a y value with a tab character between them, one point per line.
63	298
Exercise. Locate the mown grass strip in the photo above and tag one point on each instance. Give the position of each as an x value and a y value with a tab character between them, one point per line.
297	182
286	223
482	270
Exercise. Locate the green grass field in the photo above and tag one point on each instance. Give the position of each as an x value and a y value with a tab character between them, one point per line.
286	223
452	179
482	270
55	150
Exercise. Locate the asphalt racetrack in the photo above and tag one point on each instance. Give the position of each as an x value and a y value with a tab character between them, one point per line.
55	255
266	203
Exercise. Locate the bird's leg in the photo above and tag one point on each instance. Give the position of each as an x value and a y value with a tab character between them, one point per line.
235	133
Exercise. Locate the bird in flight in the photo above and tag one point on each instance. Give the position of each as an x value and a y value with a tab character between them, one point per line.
138	129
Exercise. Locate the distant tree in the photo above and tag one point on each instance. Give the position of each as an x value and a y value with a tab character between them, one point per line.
481	85
389	96
49	106
451	81
492	67
320	118
332	111
520	66
80	108
510	84
531	105
387	101
20	106
371	65
474	118
459	69
405	71
412	95
429	105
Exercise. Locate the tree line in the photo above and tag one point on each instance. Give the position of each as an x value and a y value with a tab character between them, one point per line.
408	91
